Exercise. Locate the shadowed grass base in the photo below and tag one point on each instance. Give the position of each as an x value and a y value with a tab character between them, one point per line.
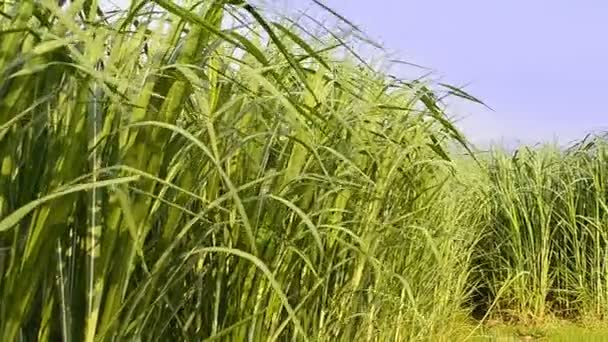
559	331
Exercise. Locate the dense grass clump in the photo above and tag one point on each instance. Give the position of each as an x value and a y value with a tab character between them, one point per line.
168	177
199	171
545	245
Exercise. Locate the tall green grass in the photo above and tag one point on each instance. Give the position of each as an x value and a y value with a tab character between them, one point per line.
167	177
544	249
207	171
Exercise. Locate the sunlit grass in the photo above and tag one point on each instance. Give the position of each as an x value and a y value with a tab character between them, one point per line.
197	181
204	171
544	245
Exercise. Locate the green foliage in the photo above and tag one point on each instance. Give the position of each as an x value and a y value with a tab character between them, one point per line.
545	231
167	177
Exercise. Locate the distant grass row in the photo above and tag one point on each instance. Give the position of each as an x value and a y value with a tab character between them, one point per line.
167	177
544	251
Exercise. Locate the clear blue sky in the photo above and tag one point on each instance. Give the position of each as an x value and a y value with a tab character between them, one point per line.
542	65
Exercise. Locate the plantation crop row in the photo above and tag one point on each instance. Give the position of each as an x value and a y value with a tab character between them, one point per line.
198	171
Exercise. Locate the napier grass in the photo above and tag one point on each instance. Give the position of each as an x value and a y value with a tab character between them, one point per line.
197	171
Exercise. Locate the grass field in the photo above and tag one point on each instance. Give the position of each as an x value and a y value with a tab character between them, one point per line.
204	171
559	332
